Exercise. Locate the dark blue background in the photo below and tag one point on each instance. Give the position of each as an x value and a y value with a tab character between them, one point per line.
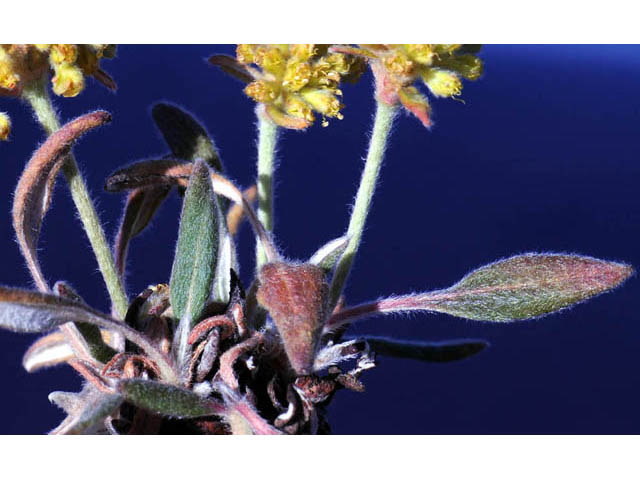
542	157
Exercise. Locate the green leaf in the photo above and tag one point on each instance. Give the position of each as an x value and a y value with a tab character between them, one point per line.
448	351
327	256
93	414
167	400
86	410
528	286
195	261
517	288
196	254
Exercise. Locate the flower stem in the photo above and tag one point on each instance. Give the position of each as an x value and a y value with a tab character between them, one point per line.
377	145
267	138
38	98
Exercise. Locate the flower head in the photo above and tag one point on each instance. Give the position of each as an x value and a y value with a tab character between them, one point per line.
24	64
293	82
5	126
439	66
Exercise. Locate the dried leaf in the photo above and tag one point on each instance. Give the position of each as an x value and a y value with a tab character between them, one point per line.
327	256
517	288
33	193
448	351
236	213
231	66
185	136
167	400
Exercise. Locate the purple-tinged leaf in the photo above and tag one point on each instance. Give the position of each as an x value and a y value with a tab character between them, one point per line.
141	205
85	339
186	137
167	400
296	298
149	173
447	351
231	66
517	288
33	193
172	172
33	312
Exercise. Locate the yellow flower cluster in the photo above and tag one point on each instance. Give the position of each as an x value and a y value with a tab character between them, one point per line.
296	80
5	126
439	66
23	64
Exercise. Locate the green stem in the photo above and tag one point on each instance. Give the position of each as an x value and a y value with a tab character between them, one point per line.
38	98
267	138
377	144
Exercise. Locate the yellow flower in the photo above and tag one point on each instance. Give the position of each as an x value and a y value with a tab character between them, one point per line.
24	64
5	126
293	81
397	67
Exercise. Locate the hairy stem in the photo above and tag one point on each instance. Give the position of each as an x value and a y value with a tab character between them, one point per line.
267	137
38	98
377	145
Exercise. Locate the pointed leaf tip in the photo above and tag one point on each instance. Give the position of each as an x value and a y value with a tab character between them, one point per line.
35	187
517	288
528	286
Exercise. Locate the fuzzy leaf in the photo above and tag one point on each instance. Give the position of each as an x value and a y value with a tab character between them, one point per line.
148	173
93	414
197	249
33	193
448	351
33	312
91	334
47	351
185	136
528	286
139	209
416	103
221	289
167	400
517	288
237	213
327	256
86	410
231	66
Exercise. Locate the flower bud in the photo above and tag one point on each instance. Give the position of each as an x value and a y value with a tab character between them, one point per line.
322	101
442	83
68	81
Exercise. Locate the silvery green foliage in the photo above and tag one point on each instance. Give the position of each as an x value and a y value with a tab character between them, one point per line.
202	355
